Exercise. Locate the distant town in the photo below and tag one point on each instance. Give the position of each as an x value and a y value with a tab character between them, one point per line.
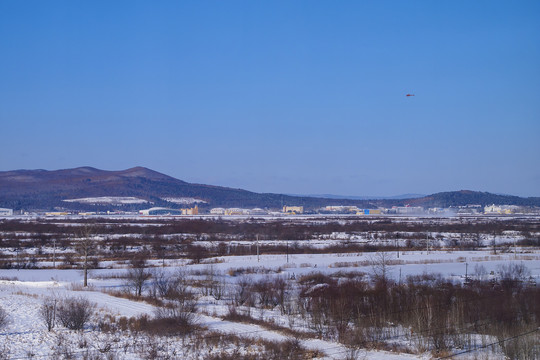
297	210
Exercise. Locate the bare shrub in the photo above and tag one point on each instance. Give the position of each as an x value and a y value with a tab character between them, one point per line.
243	294
280	288
480	272
196	253
513	275
175	319
5	352
514	271
3	317
74	313
171	287
522	347
180	315
63	349
162	284
48	312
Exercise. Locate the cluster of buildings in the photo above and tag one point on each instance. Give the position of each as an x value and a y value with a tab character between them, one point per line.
333	209
501	209
6	212
237	211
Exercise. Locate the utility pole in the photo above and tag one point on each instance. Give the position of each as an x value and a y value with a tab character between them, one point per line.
287	251
396	242
427	243
54	256
466	273
258	259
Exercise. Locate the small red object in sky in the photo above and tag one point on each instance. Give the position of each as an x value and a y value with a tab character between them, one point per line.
409	95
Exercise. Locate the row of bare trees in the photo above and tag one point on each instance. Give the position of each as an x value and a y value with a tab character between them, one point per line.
439	314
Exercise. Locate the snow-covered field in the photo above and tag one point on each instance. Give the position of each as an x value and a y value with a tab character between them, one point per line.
23	293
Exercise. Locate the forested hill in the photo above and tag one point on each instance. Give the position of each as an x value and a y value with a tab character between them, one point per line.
467	197
47	190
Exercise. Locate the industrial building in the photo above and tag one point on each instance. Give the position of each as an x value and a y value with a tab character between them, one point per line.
236	211
167	211
406	210
341	209
160	211
6	212
57	213
500	209
217	211
368	212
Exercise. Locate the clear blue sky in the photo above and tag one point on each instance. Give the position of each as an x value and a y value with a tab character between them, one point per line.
304	97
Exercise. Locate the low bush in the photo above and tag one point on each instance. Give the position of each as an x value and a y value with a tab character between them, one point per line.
74	313
4	317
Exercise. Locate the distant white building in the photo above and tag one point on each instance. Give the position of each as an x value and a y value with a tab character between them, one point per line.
217	211
500	209
341	208
6	212
236	211
160	211
257	211
408	210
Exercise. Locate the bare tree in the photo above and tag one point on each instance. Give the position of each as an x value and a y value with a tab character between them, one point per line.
86	246
138	274
381	266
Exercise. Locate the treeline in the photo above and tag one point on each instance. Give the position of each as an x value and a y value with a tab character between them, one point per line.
280	229
427	312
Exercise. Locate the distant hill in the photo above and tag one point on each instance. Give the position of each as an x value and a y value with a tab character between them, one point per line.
48	190
468	197
395	197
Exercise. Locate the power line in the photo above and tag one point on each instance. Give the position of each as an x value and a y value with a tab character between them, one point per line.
416	335
487	345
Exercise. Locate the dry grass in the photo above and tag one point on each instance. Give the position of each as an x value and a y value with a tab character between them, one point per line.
235	316
129	296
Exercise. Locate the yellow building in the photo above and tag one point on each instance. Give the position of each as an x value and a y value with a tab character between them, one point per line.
293	209
235	211
191	211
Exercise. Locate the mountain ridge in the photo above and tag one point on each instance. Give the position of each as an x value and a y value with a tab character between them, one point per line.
47	189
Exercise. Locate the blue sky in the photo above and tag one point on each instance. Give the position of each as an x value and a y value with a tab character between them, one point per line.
303	97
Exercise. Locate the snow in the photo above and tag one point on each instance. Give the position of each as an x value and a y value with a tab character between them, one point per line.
22	293
108	200
184	200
